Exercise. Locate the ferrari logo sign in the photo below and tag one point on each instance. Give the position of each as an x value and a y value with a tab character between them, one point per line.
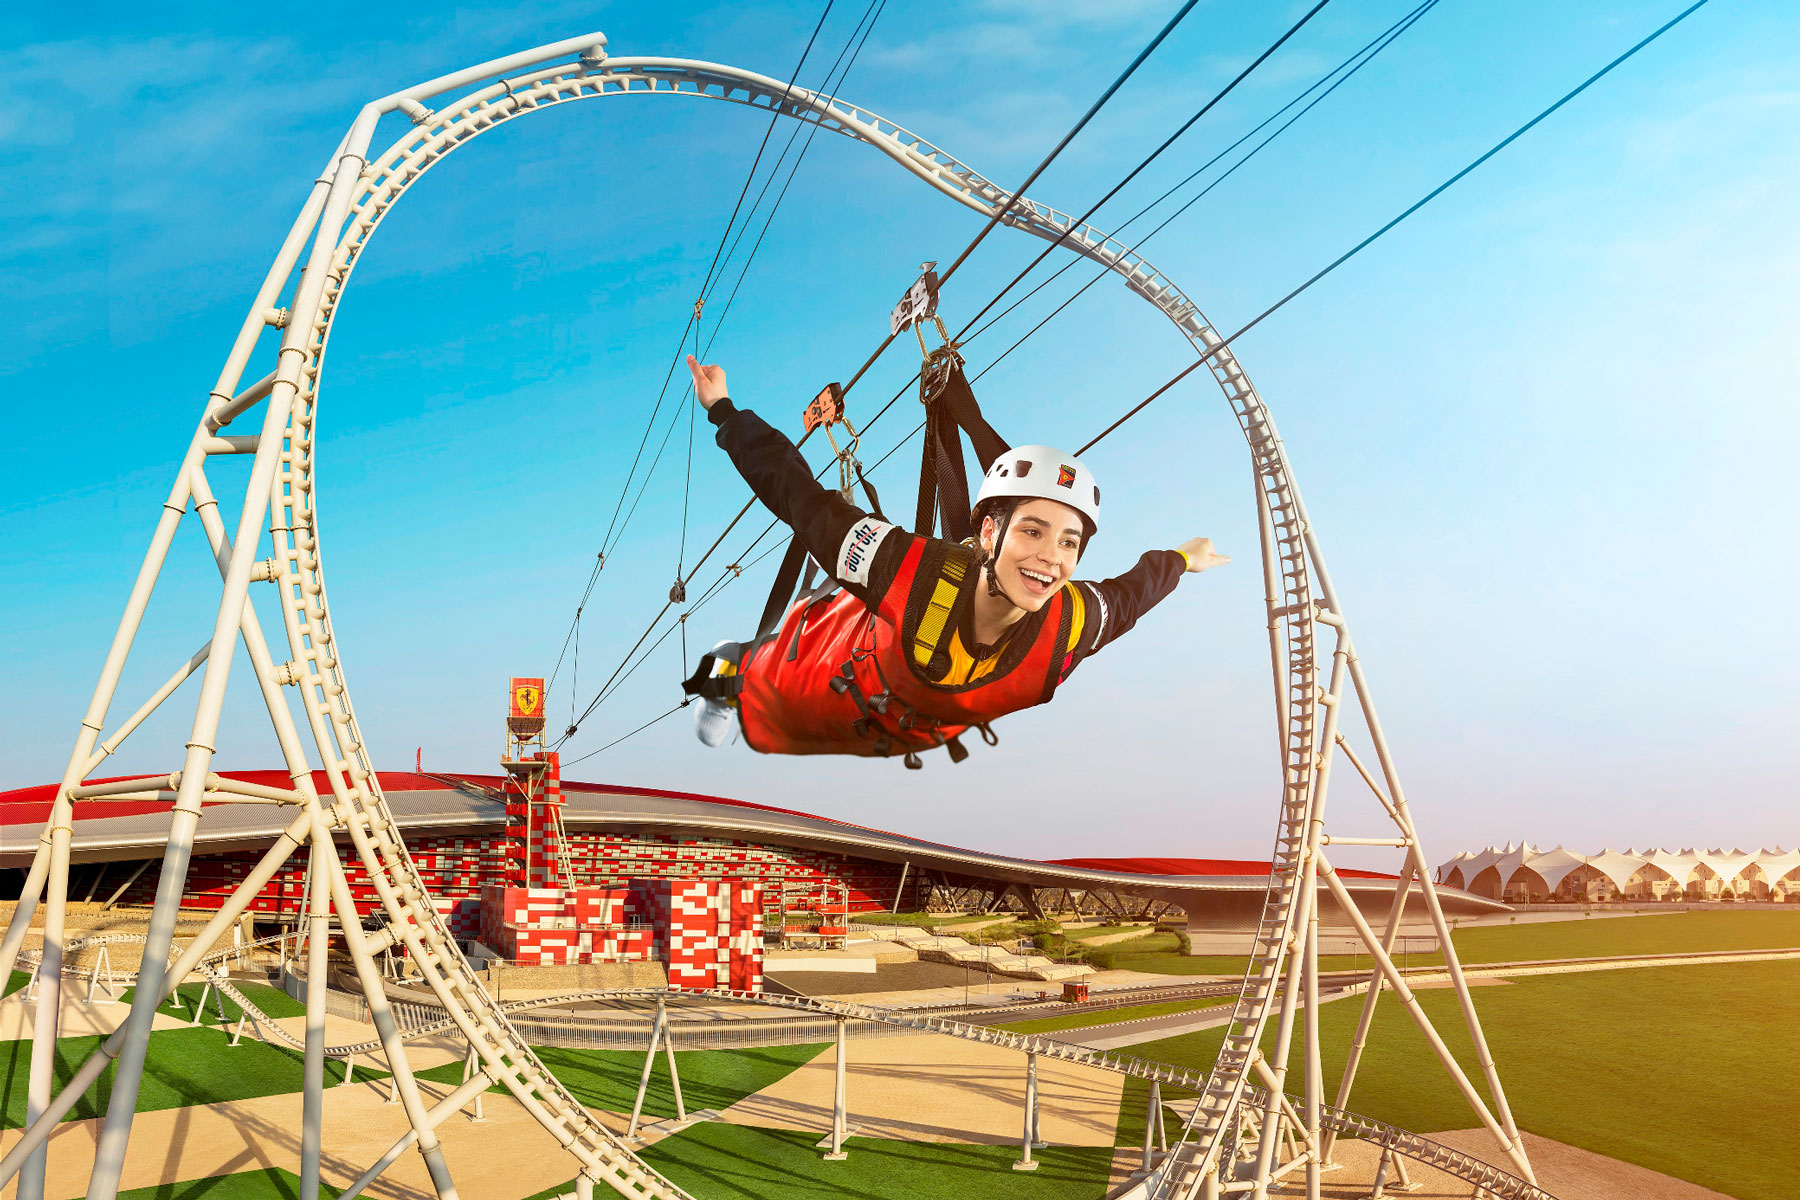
527	697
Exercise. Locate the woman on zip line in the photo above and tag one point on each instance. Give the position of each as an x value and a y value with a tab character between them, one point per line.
927	637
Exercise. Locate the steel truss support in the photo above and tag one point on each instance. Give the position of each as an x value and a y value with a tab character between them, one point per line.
348	201
660	1038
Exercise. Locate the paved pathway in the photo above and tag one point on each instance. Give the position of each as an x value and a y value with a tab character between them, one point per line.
1119	1034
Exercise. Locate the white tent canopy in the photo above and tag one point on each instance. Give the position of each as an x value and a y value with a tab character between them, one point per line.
1615	866
1679	867
1620	866
1554	866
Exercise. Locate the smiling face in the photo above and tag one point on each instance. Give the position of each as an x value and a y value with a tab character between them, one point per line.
1043	543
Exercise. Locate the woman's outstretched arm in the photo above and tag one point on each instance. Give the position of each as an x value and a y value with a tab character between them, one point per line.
844	539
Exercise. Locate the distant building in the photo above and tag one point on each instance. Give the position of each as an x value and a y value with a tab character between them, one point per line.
1522	873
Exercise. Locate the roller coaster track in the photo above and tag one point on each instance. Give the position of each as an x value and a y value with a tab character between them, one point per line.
418	1021
348	203
316	667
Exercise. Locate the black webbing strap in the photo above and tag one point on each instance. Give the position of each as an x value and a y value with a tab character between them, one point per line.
950	411
787	578
704	684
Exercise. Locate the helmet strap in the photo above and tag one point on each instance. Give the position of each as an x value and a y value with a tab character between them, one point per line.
993	557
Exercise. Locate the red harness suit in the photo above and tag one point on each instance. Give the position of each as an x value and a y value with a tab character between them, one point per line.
839	677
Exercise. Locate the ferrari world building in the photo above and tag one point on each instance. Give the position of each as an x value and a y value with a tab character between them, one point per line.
612	844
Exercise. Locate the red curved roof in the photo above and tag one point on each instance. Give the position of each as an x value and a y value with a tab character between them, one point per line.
30	806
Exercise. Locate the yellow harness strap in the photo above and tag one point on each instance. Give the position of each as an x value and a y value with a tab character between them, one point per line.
1077	616
937	612
964	667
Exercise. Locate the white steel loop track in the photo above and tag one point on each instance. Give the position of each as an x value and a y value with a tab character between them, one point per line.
347	203
438	133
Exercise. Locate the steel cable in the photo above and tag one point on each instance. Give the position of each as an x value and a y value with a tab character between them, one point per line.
1367	52
607	542
1316	277
886	342
1366	55
1142	164
1383	41
1433	194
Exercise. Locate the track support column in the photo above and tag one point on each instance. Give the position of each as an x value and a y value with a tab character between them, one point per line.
312	1072
656	1036
840	1120
1153	1131
1026	1162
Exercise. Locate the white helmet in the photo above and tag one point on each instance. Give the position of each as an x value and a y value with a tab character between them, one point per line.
1043	473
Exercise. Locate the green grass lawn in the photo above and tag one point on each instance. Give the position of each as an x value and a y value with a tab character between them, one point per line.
270	1184
922	920
1660	933
735	1162
1108	1016
1082	935
184	1067
608	1079
1664	1067
271	1000
1596	937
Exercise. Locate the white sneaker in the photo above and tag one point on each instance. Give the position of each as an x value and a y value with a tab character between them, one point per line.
716	721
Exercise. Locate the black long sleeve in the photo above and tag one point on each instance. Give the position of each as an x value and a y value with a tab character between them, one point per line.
1125	598
833	530
820	517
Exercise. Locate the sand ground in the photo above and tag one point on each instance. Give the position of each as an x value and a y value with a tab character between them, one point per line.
937	1089
918	1087
79	1018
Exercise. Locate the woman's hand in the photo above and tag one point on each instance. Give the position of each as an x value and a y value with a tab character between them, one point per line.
709	381
1200	554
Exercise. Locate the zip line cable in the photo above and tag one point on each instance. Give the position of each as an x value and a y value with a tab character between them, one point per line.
804	118
1380	42
1023	188
1369	49
1433	194
1145	162
633	733
960	259
1375	46
1384	41
606	542
864	26
774	116
1265	314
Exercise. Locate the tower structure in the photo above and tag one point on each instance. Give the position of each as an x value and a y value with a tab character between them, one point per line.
1246	1129
537	854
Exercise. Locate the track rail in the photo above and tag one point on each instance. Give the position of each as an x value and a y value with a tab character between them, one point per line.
316	666
347	203
417	1023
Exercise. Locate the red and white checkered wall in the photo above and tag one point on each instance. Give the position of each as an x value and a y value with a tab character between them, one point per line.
708	931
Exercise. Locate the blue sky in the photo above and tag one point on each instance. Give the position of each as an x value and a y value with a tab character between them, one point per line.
1545	429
